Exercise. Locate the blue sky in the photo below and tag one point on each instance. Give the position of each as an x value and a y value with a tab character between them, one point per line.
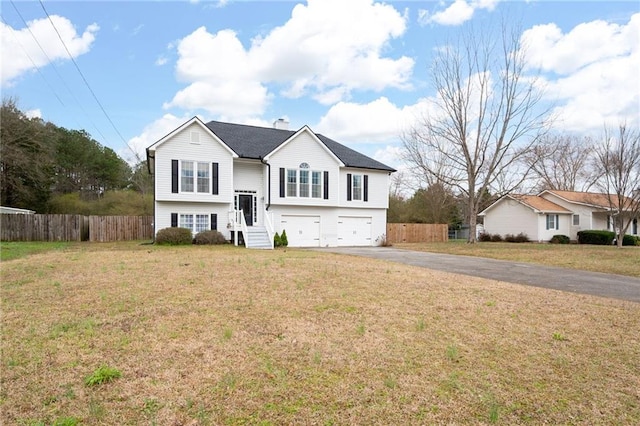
356	70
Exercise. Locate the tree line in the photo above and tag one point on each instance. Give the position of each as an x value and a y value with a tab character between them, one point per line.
51	169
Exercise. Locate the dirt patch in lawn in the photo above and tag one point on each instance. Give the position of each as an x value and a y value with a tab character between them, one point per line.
225	335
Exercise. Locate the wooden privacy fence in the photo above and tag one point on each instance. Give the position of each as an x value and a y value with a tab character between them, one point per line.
417	232
67	227
120	228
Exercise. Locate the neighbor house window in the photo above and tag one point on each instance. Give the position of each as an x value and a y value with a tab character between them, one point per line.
634	227
552	221
576	220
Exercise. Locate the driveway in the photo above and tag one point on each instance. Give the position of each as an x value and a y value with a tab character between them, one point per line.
571	280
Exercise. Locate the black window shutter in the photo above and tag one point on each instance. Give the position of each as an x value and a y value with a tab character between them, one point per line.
282	182
214	174
326	185
214	222
174	220
366	188
348	186
174	176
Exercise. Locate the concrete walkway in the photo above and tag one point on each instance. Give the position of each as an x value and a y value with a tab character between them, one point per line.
571	280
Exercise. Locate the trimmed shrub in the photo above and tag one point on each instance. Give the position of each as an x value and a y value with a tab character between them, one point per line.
277	241
560	239
522	238
496	238
174	236
283	238
510	238
484	237
602	238
209	237
630	240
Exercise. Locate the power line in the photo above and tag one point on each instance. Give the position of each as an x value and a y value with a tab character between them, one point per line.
86	82
52	63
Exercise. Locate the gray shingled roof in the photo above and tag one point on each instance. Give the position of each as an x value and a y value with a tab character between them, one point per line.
256	142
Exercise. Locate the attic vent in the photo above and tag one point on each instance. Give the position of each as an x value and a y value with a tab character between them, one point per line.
195	137
281	124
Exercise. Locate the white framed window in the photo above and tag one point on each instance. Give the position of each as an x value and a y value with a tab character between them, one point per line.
186	176
203	177
576	220
316	184
356	187
552	221
195	222
195	177
186	221
202	223
304	183
292	183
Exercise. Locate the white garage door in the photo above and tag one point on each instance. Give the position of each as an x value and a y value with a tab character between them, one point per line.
302	231
354	231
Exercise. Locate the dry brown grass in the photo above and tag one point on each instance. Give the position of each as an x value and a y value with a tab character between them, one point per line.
607	259
227	335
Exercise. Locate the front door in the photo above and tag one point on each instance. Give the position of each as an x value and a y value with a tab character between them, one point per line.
245	203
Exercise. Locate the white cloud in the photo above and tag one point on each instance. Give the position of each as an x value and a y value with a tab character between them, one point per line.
327	50
591	71
33	113
457	13
20	51
379	121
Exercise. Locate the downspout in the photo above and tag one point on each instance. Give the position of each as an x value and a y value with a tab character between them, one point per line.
268	183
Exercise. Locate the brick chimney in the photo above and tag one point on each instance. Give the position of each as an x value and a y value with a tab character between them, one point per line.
281	124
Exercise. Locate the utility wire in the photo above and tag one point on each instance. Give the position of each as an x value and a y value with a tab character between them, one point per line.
137	157
32	61
50	61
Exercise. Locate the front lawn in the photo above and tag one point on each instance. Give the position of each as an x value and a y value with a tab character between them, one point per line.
134	334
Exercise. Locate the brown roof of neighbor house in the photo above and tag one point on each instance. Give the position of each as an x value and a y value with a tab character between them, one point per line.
604	201
539	203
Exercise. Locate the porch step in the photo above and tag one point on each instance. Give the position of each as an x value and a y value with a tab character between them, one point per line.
257	238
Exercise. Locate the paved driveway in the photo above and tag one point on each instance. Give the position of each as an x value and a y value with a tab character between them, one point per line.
571	280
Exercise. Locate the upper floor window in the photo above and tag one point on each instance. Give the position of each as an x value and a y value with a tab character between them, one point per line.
292	185
357	187
304	183
199	182
194	176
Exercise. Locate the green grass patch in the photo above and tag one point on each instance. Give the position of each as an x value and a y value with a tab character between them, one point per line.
17	250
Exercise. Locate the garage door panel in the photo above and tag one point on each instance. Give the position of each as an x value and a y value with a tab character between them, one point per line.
354	231
302	231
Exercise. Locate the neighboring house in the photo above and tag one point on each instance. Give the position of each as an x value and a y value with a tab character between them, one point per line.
550	213
256	181
14	210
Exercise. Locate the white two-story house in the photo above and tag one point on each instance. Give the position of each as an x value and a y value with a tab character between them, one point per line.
250	182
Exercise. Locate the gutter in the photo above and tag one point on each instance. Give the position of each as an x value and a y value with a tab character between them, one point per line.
268	183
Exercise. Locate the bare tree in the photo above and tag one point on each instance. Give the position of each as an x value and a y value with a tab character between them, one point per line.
563	162
618	155
486	118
